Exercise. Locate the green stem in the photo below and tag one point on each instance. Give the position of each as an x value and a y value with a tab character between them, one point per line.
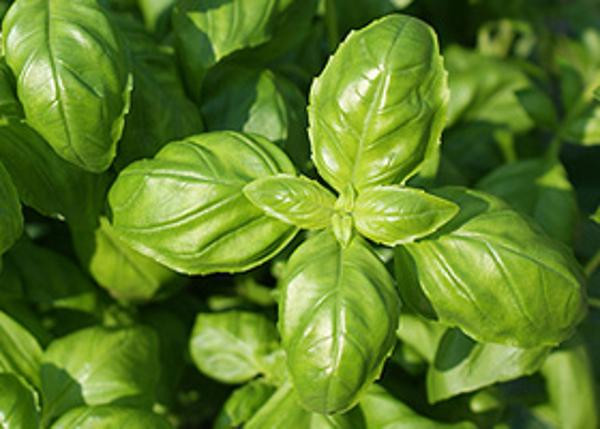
554	147
592	264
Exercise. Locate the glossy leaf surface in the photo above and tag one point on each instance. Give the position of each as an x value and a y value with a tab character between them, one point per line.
185	208
20	352
337	317
539	189
109	417
495	275
294	200
463	365
392	215
231	346
17	404
379	104
243	403
78	108
98	366
11	218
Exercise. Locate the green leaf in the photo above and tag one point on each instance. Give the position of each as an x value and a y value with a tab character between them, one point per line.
337	317
160	110
185	208
17	404
231	346
540	189
294	200
125	273
423	335
56	282
156	14
9	105
383	411
379	104
283	410
98	366
584	128
463	365
11	218
596	216
243	403
78	108
539	106
257	101
20	353
46	182
570	385
109	417
393	215
495	275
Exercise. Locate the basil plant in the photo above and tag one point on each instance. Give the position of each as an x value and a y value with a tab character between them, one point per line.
227	201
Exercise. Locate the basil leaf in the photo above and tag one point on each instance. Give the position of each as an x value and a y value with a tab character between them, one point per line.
337	316
284	410
126	274
78	109
393	215
539	189
379	104
207	225
108	417
584	128
11	218
231	346
463	365
570	384
596	216
295	200
17	404
243	403
156	14
20	352
45	181
160	110
423	335
97	366
9	105
495	276
382	410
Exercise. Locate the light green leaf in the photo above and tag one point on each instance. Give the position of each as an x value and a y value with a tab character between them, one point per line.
17	404
56	282
283	410
160	110
570	385
393	215
79	109
11	218
98	366
383	411
540	189
156	14
495	275
295	200
185	208
584	128
231	346
463	365
596	216
243	403
379	104
45	181
423	335
110	417
125	273
337	317
20	353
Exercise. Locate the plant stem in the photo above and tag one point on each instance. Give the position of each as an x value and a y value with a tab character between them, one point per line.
592	265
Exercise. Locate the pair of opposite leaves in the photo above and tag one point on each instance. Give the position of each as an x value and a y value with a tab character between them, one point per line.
227	202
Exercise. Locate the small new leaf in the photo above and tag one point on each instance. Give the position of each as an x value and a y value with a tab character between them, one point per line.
294	200
393	215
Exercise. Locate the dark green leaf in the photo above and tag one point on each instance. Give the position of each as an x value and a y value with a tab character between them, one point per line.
78	108
379	104
11	218
243	403
231	347
185	208
337	317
